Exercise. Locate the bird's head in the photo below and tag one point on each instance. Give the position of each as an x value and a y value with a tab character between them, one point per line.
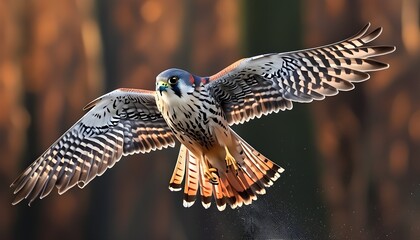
175	83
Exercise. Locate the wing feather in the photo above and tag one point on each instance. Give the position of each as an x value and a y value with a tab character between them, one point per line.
267	83
122	122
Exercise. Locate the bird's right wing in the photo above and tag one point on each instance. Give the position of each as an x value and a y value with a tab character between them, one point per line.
122	122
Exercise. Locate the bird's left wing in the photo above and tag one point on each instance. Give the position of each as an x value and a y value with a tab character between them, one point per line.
121	122
260	85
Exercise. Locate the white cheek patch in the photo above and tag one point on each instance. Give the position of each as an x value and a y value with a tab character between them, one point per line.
169	97
185	88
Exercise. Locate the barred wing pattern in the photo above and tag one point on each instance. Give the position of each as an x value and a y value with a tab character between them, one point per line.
260	85
119	123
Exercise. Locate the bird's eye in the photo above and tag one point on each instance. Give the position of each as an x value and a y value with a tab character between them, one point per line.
173	80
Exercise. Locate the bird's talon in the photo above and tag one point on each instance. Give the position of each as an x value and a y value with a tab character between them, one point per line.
231	162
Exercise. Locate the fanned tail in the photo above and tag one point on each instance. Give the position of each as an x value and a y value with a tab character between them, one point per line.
255	174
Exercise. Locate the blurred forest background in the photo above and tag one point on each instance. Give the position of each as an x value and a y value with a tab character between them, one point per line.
352	161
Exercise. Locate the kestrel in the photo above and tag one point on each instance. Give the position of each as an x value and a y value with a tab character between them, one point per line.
213	160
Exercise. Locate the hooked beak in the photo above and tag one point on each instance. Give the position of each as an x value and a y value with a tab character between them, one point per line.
162	86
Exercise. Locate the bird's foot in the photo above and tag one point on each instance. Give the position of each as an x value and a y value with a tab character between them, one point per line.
231	162
212	175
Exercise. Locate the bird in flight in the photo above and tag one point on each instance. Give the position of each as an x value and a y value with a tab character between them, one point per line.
213	161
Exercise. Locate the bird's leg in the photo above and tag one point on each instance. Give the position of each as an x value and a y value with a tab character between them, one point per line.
210	172
230	161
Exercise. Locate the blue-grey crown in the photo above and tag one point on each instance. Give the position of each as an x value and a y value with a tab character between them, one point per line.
181	74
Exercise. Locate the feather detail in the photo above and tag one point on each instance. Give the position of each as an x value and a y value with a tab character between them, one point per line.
268	83
191	180
235	189
206	189
118	123
175	183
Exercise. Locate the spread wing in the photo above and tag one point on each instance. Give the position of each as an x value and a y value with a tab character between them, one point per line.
119	123
260	85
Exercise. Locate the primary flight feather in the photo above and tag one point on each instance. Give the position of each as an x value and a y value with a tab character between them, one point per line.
213	162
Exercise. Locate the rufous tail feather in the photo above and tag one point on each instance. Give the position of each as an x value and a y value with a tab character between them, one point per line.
235	188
